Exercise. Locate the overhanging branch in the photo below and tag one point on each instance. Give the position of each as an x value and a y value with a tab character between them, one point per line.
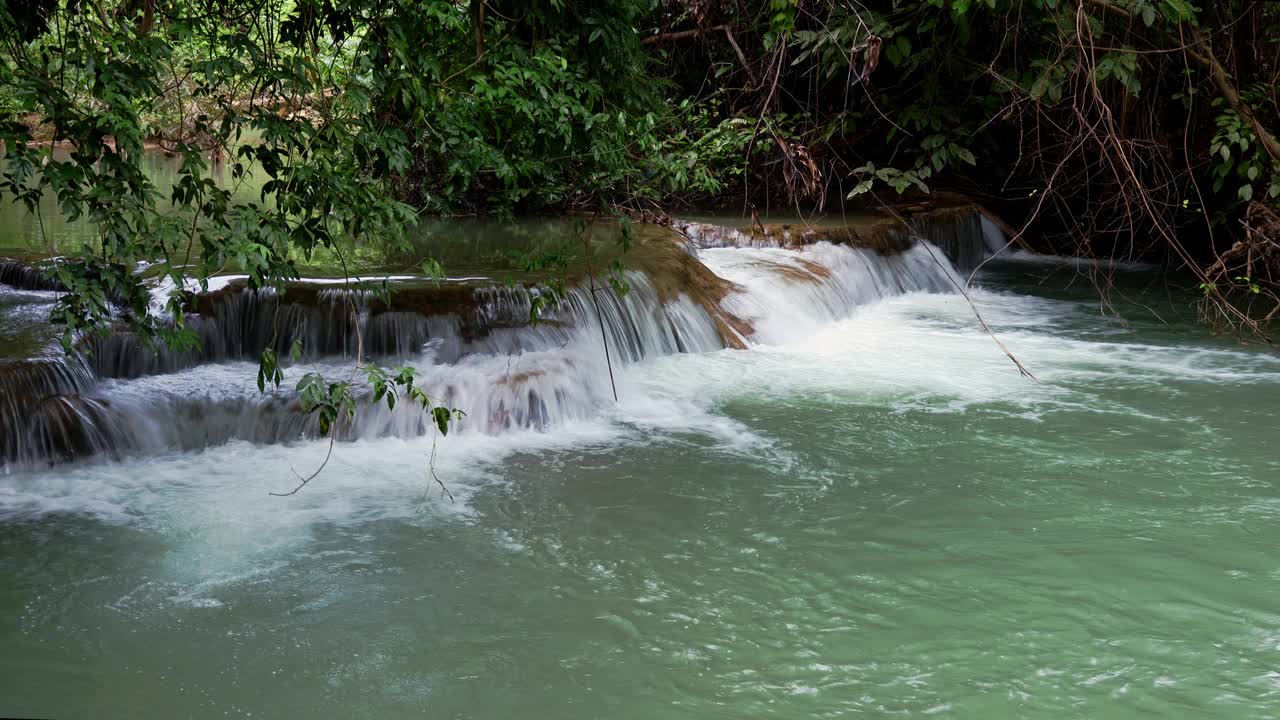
696	32
1221	78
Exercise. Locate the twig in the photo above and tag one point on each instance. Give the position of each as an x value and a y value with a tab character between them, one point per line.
431	468
972	306
591	278
312	476
1022	369
696	32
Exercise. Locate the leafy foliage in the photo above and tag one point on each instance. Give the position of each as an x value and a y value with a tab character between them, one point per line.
358	114
1239	161
310	129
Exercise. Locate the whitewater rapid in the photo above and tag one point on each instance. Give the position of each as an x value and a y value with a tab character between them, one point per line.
916	350
501	371
178	432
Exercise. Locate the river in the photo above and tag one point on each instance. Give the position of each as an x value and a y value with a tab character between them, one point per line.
868	511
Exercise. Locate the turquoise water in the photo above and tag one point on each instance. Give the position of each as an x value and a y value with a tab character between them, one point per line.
876	517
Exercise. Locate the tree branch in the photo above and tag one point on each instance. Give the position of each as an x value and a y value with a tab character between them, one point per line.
696	32
1231	94
1221	79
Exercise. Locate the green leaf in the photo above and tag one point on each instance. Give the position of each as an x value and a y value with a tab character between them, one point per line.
433	269
441	416
1041	85
860	188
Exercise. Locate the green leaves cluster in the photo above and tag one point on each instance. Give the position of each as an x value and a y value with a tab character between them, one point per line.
295	99
555	108
387	386
1240	164
323	158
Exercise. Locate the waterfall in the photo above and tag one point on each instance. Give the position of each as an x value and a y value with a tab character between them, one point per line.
474	348
241	323
789	294
22	276
36	420
964	233
967	238
501	370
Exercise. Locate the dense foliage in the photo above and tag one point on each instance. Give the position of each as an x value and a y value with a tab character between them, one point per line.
1110	127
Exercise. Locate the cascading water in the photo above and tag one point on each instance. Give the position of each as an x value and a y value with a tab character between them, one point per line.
967	238
20	275
790	293
496	367
239	324
474	349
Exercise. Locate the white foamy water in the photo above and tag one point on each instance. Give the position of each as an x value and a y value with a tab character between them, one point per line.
915	350
828	321
790	294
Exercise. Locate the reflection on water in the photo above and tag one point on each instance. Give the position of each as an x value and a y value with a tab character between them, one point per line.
467	247
49	233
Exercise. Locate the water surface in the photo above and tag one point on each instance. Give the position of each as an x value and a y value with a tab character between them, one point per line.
874	516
